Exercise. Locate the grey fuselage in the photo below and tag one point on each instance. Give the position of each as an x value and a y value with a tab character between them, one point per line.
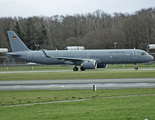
113	56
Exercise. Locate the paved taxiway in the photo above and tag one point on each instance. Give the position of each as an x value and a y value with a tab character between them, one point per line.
73	71
78	84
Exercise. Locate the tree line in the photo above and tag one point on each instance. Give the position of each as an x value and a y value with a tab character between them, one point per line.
97	30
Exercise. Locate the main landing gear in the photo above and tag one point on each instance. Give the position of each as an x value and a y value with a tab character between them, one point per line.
76	68
136	68
82	69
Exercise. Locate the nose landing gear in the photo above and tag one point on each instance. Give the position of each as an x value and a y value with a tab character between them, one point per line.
136	68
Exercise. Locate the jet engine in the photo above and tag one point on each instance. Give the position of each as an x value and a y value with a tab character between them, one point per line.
89	64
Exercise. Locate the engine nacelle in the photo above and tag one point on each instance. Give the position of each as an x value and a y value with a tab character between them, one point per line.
89	64
101	65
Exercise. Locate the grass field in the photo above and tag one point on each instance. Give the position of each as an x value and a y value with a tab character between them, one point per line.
94	74
36	67
117	108
78	75
104	104
23	97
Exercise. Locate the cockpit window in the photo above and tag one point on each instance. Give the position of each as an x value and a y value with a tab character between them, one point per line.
143	53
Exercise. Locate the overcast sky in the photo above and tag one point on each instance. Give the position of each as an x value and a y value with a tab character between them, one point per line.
28	8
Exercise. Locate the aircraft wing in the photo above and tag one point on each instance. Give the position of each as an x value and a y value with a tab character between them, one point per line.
72	59
75	60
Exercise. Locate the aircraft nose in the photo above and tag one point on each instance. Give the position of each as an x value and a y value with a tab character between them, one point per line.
151	58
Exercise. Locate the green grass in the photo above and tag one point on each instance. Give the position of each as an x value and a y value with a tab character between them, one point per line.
36	68
99	108
129	66
23	97
117	108
78	75
94	74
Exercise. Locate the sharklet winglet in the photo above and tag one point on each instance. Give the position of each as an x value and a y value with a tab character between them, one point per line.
46	54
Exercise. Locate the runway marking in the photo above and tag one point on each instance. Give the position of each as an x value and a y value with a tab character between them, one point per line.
75	100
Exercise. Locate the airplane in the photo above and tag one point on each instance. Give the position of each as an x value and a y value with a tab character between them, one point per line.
86	59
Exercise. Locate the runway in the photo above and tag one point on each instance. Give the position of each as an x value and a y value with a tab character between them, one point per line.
77	84
33	71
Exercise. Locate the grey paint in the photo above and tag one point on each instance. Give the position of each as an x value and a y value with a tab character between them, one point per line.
75	57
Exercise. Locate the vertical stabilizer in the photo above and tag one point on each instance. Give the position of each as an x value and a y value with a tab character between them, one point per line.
15	42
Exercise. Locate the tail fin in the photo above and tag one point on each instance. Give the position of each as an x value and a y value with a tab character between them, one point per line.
16	43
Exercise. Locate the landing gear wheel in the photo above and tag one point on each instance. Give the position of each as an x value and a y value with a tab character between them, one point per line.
136	68
75	69
82	69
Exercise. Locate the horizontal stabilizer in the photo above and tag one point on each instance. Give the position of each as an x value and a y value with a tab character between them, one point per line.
13	54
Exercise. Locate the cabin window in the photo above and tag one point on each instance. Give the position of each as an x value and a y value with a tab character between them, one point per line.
143	53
